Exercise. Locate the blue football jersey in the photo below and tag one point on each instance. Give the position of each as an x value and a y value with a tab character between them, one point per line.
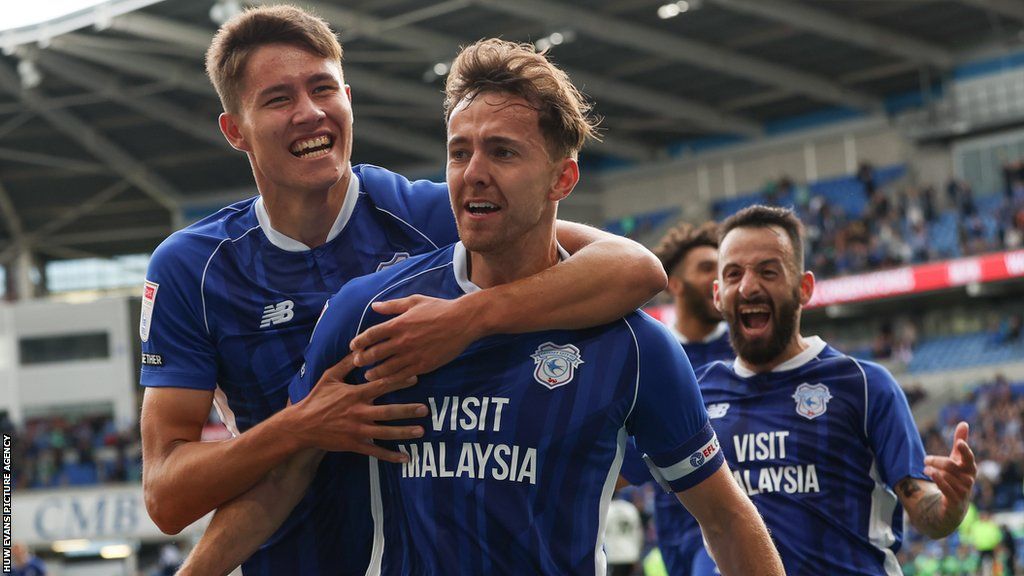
525	436
818	444
679	535
229	306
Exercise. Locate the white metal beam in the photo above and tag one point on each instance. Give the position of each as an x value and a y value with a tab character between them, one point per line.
676	48
152	106
822	22
353	24
1009	8
96	143
51	161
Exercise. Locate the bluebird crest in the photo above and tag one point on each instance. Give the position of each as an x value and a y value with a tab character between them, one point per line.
811	401
556	365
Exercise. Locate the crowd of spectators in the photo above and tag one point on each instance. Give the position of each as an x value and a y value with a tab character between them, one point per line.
75	451
897	222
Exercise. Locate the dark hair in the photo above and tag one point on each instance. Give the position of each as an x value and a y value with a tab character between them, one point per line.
682	238
760	216
499	66
239	37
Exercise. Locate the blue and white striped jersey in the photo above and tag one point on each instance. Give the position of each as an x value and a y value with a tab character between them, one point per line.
230	304
818	444
525	436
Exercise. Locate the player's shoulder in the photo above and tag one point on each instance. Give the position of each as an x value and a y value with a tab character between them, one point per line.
190	248
650	334
872	375
379	284
390	191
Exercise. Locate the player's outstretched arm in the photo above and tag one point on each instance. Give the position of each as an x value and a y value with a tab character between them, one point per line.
734	530
239	527
606	277
937	508
184	479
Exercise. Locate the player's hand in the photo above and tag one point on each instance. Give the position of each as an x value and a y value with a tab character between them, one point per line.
340	417
427	333
954	475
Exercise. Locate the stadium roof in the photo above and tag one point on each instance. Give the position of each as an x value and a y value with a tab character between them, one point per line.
108	130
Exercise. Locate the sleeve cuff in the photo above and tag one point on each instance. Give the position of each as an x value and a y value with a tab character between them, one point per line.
689	464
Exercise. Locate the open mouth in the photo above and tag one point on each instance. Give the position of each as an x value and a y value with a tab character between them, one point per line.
755	317
312	147
481	208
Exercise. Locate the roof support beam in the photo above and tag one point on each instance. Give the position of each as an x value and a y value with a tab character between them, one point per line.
368	130
154	107
355	24
11	218
51	161
99	145
1009	8
678	49
804	17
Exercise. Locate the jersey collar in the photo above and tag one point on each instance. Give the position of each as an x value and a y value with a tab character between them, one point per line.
460	266
814	347
289	244
717	333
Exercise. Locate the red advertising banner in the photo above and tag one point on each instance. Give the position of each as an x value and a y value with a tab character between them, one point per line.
918	279
904	281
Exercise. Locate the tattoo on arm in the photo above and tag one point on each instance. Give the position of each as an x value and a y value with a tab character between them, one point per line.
925	510
907	488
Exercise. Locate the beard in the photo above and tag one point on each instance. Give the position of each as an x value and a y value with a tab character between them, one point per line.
698	303
784	322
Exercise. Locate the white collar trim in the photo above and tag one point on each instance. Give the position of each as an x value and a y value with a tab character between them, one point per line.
289	244
814	347
714	335
460	266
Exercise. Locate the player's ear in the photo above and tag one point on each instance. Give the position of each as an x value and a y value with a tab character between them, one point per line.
675	286
806	287
230	129
566	178
716	295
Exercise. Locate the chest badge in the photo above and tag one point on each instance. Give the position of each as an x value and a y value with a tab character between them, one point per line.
398	257
717	410
811	401
274	314
556	365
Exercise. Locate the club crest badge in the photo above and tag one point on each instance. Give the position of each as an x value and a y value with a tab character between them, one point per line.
811	401
556	365
398	257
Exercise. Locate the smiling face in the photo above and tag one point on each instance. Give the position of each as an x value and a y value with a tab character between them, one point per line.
294	119
760	292
503	184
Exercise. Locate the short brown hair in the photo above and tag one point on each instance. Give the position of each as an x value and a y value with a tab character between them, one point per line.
682	238
494	65
760	216
239	37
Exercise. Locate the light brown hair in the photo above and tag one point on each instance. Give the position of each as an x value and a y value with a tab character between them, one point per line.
239	37
494	65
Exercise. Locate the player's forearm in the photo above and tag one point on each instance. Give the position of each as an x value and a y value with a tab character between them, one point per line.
603	281
239	527
927	510
740	543
194	478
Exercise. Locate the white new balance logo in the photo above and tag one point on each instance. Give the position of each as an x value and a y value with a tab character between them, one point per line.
277	314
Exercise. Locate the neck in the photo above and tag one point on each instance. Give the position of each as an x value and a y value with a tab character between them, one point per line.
796	345
305	215
693	328
527	256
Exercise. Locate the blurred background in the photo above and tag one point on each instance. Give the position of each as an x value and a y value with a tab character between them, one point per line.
895	128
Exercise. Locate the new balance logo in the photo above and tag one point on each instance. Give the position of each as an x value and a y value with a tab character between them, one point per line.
277	314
